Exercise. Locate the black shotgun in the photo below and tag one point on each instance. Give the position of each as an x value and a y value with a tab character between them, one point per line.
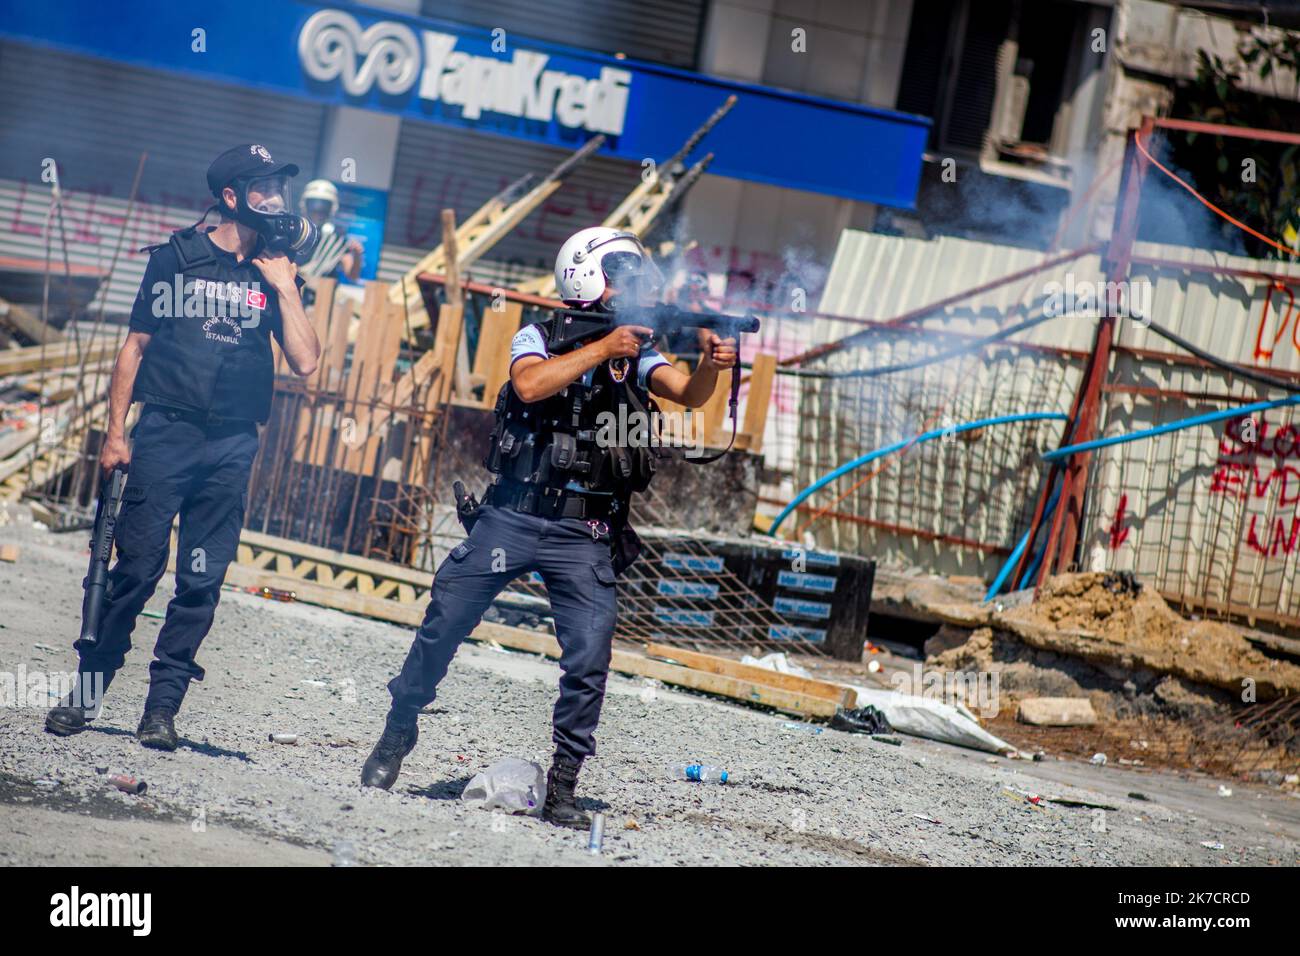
101	552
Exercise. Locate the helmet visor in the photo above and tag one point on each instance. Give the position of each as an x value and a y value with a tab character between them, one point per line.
632	275
318	209
269	194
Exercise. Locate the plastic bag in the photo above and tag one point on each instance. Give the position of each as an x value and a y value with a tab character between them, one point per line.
934	719
513	785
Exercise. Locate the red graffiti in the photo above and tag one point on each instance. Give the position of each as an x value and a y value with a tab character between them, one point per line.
1280	540
1270	440
82	219
1118	529
1258	470
1265	353
1239	480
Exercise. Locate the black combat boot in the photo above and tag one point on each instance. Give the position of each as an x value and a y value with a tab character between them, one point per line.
560	807
157	729
74	713
68	718
385	761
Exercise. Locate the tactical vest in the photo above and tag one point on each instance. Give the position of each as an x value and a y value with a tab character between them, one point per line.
565	439
218	362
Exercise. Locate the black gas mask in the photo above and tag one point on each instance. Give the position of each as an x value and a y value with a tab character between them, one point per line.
263	203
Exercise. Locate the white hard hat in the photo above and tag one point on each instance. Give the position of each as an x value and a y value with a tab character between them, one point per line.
321	189
590	258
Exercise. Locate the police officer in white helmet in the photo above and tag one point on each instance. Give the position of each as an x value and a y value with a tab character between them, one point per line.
337	255
557	505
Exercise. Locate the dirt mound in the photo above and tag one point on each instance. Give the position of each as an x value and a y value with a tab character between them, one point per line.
1111	618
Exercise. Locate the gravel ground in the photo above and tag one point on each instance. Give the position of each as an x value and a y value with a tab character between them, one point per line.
229	795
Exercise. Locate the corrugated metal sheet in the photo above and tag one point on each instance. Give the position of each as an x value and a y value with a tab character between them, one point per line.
979	490
94	119
878	277
93	224
1207	519
1197	514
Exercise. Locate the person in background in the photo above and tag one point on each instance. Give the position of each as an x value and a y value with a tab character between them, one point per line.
338	255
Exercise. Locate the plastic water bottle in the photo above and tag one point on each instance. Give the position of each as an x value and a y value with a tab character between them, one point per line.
699	773
802	728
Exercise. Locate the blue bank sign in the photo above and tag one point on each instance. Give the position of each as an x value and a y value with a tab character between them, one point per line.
492	81
391	57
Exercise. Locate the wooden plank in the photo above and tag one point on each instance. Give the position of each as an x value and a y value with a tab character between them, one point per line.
30	359
748	691
455	296
336	559
759	399
435	261
626	662
261	560
715	411
315	419
319	315
490	234
446	342
808	686
26	324
378	341
492	360
399	394
310	592
335	352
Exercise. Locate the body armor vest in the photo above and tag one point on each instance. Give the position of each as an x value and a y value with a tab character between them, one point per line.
212	352
570	438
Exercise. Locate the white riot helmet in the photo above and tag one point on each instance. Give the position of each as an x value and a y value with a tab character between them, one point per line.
595	258
320	191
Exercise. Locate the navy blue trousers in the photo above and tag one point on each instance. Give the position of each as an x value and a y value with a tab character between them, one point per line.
579	577
201	473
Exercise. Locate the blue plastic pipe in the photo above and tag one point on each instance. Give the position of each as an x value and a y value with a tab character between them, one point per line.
870	456
1012	561
1116	440
1170	427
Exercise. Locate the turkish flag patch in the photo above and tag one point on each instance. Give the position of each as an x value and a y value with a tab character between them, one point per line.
255	299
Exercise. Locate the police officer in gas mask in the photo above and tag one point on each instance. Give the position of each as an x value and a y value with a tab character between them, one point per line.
198	355
558	505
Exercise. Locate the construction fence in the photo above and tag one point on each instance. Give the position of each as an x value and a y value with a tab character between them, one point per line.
1207	514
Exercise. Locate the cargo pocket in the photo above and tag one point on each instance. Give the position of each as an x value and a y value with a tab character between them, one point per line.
455	562
604	599
132	531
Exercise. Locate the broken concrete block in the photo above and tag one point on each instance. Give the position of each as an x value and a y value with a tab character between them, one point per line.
1057	712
